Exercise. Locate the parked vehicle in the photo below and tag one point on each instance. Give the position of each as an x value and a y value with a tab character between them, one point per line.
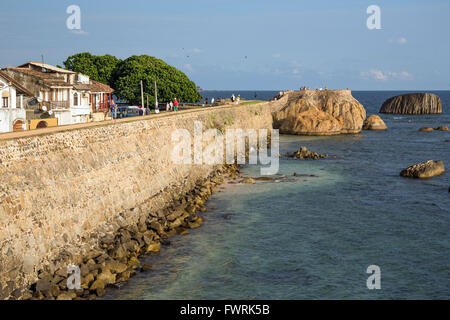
129	111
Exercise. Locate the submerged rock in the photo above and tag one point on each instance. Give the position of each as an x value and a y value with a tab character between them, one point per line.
314	112
248	181
426	129
413	103
304	153
424	170
374	122
442	128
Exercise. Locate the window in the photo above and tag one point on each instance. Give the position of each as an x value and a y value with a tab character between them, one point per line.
75	99
5	102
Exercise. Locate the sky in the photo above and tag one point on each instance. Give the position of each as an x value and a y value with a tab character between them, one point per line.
246	44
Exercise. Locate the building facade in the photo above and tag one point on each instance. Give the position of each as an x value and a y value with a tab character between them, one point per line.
12	104
68	96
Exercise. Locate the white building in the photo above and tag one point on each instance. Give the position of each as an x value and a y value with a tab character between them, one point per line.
57	90
12	104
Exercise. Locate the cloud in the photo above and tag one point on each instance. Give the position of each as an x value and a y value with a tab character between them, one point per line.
400	41
276	55
188	67
380	75
197	50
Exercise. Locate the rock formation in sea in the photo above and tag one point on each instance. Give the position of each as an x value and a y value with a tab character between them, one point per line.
442	128
304	153
426	129
424	170
314	112
374	122
413	103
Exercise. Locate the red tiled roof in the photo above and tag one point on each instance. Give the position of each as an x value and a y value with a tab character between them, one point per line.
96	86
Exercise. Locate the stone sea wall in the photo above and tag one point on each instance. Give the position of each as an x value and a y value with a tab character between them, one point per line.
62	194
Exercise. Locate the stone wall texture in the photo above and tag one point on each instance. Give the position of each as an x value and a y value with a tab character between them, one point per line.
61	192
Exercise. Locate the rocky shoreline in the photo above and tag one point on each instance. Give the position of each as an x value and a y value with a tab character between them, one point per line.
117	257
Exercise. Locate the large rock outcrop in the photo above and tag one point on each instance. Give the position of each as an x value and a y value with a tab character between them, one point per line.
424	170
413	103
314	112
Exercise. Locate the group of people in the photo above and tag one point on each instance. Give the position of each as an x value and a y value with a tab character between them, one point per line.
172	105
235	99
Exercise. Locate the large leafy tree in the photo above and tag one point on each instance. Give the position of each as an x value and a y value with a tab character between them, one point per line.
99	68
171	82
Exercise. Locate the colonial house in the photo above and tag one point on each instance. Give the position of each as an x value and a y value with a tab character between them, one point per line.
101	100
13	97
68	96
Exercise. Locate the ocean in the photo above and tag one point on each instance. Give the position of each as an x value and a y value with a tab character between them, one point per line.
314	237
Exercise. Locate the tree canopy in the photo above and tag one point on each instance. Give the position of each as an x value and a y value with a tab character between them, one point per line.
171	82
98	68
125	76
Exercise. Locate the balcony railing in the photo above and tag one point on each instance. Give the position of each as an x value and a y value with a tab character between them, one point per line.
55	104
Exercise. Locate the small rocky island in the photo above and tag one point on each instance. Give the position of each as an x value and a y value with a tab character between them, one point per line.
320	112
424	170
304	153
413	103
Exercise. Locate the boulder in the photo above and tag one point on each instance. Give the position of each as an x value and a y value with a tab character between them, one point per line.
374	122
314	112
413	103
424	170
66	296
304	153
97	284
442	128
426	129
107	277
248	180
115	266
154	247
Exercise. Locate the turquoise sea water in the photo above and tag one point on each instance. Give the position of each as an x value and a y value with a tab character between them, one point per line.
314	237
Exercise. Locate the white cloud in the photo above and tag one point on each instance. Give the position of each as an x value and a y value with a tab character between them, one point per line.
380	75
276	55
197	50
188	67
400	41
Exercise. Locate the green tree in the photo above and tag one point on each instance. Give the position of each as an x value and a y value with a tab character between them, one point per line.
171	82
99	68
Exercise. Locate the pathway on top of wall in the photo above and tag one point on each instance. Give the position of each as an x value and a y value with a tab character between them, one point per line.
31	133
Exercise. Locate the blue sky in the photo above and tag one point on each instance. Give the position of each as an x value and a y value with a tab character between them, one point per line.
246	44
